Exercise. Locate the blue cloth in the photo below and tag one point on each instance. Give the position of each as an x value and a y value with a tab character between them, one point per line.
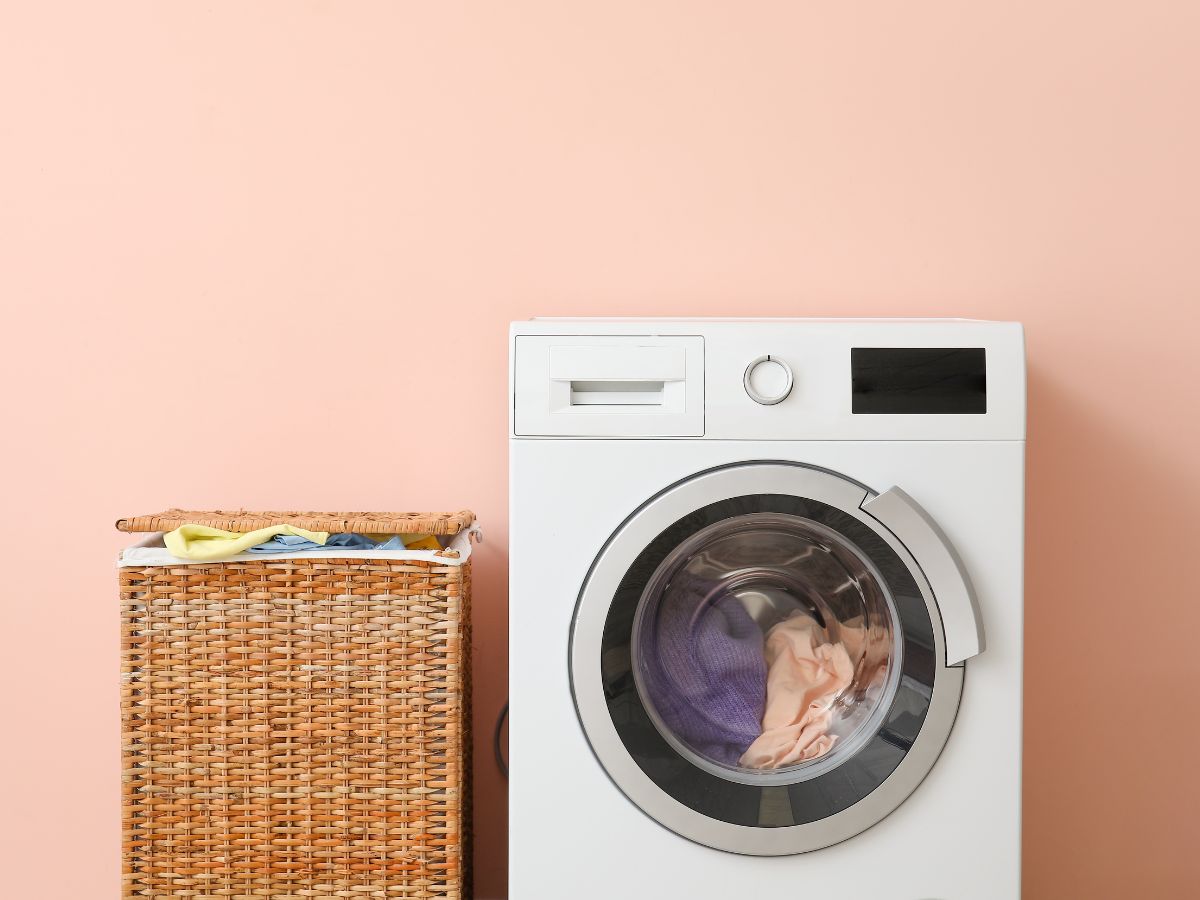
702	665
292	543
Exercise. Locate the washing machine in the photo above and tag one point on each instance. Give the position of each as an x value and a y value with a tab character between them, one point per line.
766	609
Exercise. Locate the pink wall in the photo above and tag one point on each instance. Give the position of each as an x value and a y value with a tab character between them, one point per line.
263	254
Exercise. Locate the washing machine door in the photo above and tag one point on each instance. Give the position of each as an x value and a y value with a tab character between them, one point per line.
768	658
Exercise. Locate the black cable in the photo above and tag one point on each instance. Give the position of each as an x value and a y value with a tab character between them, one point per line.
496	742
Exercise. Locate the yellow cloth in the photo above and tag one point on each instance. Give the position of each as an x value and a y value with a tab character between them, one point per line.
420	542
410	541
203	542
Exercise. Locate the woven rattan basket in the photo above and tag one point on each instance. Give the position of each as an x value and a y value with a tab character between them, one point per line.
297	727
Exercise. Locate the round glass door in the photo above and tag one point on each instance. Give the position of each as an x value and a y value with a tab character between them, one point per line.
766	648
758	664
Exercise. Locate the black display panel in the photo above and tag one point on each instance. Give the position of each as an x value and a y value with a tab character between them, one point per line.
918	380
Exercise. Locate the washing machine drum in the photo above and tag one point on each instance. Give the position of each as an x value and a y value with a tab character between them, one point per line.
760	661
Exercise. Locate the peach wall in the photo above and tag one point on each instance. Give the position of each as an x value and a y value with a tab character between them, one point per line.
264	253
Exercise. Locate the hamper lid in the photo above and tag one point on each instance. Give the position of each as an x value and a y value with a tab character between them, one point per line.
334	522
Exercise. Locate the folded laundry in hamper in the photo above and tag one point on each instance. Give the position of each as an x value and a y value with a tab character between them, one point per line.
193	541
292	543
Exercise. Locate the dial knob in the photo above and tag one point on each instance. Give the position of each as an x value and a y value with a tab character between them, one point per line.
768	380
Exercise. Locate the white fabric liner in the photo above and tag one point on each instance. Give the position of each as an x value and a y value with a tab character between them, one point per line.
151	551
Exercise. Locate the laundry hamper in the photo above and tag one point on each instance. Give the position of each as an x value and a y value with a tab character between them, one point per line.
297	726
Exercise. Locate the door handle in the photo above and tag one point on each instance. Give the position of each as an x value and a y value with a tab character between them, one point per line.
962	624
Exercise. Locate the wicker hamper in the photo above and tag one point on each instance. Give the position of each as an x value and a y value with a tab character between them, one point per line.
299	726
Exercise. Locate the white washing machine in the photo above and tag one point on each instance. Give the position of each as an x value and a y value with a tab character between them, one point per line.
766	609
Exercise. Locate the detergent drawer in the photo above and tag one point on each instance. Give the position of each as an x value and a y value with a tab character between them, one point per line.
619	386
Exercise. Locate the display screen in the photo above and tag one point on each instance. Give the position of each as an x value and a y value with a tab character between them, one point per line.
918	380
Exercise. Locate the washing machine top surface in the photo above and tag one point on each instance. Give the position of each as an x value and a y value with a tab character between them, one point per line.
779	379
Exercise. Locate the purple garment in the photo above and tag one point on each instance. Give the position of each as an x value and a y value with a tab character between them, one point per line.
703	668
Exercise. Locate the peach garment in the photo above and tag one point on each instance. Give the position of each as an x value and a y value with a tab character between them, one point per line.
804	677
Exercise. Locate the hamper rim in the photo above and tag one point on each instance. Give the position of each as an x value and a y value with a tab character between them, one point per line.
443	523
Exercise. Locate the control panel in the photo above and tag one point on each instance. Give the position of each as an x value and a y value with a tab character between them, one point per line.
792	379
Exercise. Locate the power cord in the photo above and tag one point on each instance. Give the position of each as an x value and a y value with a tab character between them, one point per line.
497	748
